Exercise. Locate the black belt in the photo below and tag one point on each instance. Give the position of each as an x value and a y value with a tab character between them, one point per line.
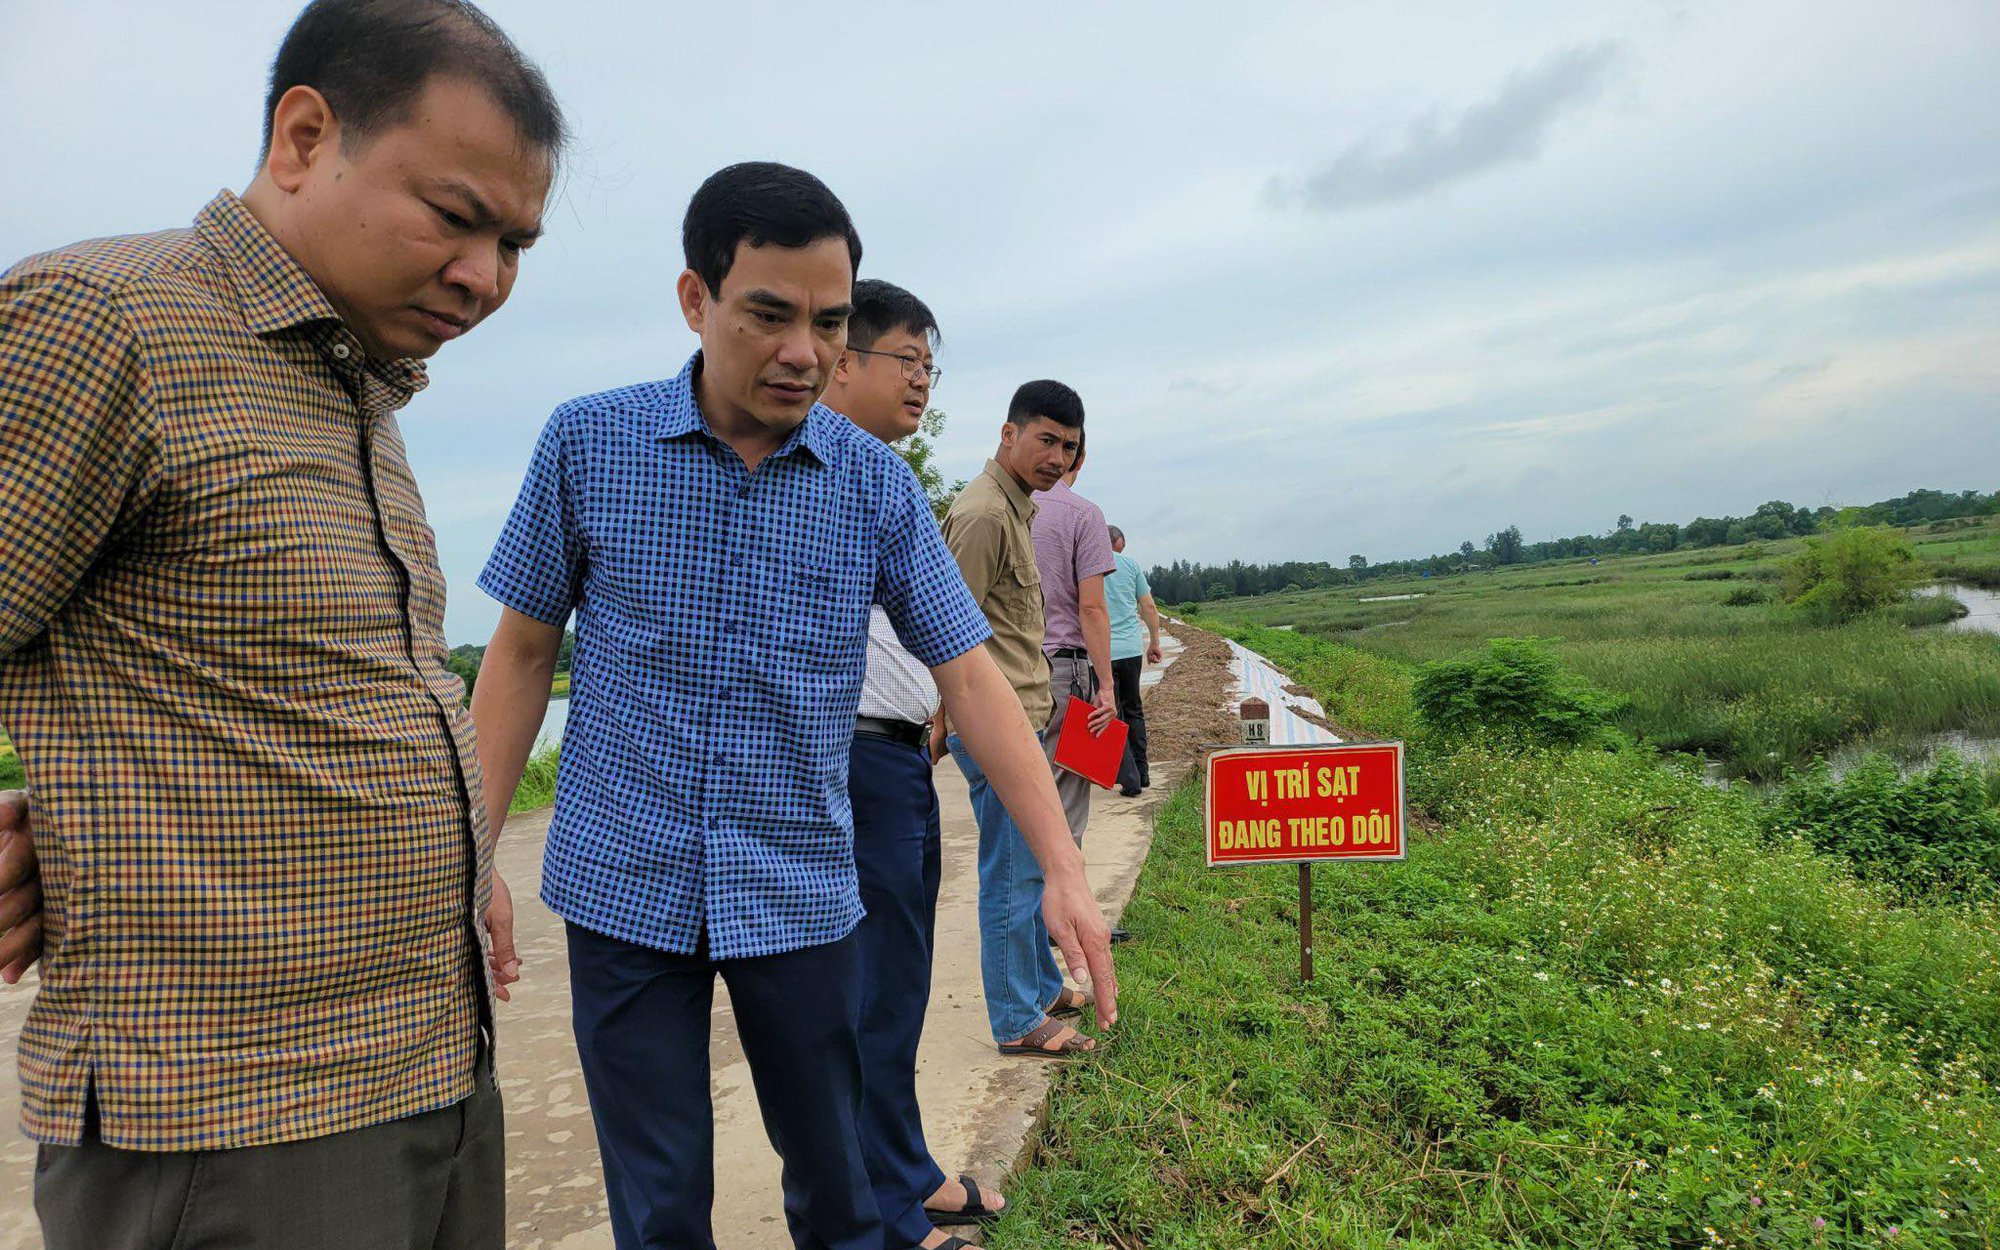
1069	653
895	730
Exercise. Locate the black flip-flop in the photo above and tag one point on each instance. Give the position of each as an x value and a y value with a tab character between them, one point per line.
975	1210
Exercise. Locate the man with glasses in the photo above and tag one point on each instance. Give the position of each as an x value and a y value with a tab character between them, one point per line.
882	383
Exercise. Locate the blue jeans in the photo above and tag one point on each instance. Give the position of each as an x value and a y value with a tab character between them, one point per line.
1020	973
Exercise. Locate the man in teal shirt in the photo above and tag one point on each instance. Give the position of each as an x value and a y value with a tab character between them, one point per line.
1129	597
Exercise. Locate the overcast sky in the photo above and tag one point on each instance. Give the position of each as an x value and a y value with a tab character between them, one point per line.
1329	278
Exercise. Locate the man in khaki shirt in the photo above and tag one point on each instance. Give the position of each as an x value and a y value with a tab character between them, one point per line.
988	533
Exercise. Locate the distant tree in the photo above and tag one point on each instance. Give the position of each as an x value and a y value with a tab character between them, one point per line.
464	661
1654	536
1187	582
919	452
1505	546
1707	531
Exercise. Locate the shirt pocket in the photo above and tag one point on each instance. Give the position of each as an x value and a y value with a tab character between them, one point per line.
1022	587
823	616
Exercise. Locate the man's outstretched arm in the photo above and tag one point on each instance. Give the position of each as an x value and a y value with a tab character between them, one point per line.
508	703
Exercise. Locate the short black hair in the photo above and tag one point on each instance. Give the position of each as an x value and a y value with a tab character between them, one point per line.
1117	535
880	307
760	203
371	59
1049	399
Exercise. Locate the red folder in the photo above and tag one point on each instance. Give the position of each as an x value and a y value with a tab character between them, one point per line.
1094	757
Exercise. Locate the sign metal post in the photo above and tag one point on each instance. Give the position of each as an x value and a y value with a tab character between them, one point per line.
1305	922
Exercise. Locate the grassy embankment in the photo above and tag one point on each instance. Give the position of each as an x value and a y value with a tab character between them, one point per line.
12	776
538	781
1593	1008
1697	645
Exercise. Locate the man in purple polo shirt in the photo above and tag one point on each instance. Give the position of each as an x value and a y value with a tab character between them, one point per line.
1073	552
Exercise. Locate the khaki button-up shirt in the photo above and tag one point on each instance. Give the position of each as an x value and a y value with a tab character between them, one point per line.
988	530
222	662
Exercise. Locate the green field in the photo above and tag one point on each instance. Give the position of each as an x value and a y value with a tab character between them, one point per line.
1746	682
12	776
1595	1007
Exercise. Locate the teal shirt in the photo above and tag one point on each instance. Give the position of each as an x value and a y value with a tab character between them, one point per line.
1124	586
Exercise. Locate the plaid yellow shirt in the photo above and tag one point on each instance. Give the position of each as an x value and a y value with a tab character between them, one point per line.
222	662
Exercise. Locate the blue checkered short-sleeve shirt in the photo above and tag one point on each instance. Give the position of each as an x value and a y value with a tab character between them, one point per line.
722	623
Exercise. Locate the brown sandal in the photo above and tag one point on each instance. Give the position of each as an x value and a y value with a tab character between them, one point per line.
1069	1003
1036	1042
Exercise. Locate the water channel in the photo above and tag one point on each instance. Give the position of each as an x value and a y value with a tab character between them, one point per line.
1983	607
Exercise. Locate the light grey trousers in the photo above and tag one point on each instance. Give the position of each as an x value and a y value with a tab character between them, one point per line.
1068	676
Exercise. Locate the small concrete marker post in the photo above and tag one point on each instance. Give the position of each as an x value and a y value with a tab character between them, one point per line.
1255	716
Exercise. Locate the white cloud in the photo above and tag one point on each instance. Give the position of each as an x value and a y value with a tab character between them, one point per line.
1758	264
1509	128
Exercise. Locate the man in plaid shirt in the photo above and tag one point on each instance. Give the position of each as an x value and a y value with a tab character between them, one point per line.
720	536
263	1016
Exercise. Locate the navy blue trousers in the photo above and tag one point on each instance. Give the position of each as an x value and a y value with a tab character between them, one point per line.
642	1026
896	855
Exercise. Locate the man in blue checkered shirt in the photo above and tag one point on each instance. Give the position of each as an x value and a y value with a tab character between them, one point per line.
720	537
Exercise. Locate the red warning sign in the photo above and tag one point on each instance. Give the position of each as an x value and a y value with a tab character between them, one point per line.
1305	804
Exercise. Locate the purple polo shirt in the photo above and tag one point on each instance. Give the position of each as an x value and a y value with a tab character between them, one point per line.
1072	542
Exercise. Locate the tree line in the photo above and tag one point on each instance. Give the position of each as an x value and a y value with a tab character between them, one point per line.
1185	582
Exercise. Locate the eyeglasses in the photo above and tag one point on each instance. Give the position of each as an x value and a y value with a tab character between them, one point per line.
913	366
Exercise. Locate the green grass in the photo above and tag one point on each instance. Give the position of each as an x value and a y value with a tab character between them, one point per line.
1699	669
538	781
1595	1007
559	688
12	775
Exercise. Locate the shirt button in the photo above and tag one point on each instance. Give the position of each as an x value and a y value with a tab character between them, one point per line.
721	758
340	351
